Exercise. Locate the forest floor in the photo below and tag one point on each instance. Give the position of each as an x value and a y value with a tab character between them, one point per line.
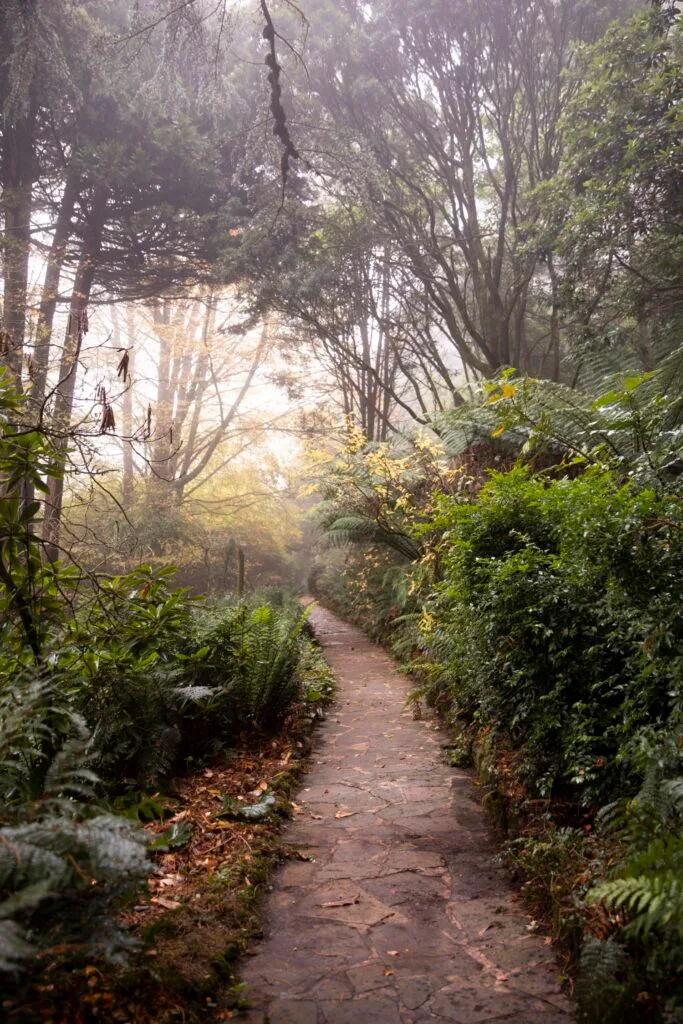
391	908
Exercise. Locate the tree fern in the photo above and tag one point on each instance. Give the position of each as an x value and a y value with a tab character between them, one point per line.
359	529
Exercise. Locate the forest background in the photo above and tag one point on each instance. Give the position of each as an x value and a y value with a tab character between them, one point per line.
382	300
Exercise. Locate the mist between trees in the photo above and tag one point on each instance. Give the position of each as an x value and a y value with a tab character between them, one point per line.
282	286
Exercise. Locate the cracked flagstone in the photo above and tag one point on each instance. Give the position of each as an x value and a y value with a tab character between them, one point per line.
400	913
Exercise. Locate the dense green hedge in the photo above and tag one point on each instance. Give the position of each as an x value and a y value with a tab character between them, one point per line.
558	623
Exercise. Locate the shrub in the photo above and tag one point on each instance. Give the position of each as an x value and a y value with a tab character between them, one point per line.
557	621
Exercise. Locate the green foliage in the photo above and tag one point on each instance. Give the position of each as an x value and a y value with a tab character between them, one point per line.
557	620
642	896
547	606
128	651
64	863
123	675
250	671
634	427
613	210
600	990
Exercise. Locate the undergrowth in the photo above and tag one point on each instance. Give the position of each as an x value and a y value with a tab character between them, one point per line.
542	620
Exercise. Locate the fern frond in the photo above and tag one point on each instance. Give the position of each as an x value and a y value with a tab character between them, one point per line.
14	948
361	529
649	890
599	991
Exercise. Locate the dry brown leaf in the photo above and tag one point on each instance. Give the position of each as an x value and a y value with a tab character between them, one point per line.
180	816
387	972
392	952
171	880
167	904
342	903
344	814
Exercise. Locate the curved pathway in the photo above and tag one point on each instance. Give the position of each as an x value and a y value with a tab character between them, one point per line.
397	912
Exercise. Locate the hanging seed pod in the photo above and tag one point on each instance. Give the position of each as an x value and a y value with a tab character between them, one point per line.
122	368
108	424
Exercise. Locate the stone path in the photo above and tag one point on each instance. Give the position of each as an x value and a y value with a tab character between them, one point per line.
400	915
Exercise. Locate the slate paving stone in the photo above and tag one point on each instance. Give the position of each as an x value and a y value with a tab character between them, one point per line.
368	977
293	1012
425	926
371	1009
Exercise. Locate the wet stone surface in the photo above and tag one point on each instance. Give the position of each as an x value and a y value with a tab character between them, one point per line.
398	914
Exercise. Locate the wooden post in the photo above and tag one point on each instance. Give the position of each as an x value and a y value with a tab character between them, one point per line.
240	572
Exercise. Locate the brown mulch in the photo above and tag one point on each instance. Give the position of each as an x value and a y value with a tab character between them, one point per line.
196	914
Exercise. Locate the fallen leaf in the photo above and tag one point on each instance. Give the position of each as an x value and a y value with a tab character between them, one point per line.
344	814
261	788
180	816
167	904
387	972
318	817
392	952
208	774
342	903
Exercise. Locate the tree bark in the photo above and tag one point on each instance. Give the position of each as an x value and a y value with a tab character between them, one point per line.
50	293
18	165
65	390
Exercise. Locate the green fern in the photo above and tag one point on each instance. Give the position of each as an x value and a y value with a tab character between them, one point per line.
359	529
251	667
62	869
650	889
601	995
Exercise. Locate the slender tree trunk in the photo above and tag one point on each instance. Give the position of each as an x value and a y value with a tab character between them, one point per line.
17	181
76	329
198	382
48	301
128	487
240	572
127	402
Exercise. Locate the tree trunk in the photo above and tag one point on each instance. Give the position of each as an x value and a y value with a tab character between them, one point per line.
127	402
76	329
240	572
48	300
17	181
